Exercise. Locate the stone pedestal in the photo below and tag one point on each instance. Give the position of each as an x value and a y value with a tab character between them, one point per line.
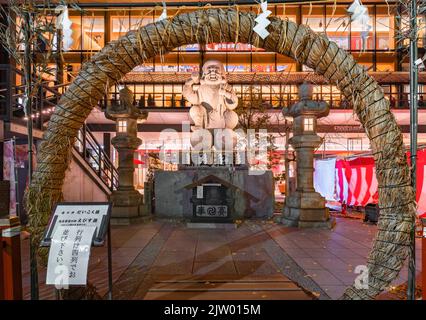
305	208
250	196
127	201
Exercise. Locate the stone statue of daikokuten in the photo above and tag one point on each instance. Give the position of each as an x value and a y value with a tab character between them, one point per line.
213	99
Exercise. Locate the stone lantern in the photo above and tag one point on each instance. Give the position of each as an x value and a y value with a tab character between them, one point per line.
304	207
127	201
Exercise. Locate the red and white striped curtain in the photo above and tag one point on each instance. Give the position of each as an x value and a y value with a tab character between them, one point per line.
421	181
356	183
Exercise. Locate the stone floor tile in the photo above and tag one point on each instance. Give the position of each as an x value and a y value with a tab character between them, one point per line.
215	254
308	263
219	267
333	263
335	292
258	268
323	277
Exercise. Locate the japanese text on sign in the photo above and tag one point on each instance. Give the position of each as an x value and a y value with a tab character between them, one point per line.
69	256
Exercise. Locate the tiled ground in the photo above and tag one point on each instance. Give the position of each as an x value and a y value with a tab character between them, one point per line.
330	257
321	261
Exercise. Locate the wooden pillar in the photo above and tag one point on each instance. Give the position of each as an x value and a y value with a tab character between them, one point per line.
1	269
11	275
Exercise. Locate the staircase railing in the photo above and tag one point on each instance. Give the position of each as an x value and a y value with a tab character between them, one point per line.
95	156
43	104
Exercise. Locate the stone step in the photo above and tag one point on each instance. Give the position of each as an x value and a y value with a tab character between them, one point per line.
226	288
211	225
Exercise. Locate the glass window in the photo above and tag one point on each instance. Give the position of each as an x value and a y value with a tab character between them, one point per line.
236	61
316	23
365	59
354	144
314	17
93	33
165	67
168	88
193	67
421	25
308	124
263	62
122	126
335	97
189	48
138	20
337	26
385	28
120	25
384	67
231	46
146	67
158	99
169	100
316	92
167	62
88	33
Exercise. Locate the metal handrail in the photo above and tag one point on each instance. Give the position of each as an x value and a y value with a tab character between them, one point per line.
94	155
86	145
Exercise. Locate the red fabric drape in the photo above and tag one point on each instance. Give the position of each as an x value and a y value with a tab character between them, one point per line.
356	182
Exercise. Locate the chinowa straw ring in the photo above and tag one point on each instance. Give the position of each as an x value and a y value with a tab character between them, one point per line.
396	196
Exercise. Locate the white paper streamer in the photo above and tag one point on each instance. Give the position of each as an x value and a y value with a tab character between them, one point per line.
262	21
163	15
359	13
63	22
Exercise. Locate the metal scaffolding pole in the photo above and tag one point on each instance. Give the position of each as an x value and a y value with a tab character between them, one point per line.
413	142
28	111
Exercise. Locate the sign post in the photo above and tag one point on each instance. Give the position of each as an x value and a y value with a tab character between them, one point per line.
411	283
73	229
109	264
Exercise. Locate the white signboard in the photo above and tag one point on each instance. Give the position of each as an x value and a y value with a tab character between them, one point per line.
199	192
79	215
69	256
